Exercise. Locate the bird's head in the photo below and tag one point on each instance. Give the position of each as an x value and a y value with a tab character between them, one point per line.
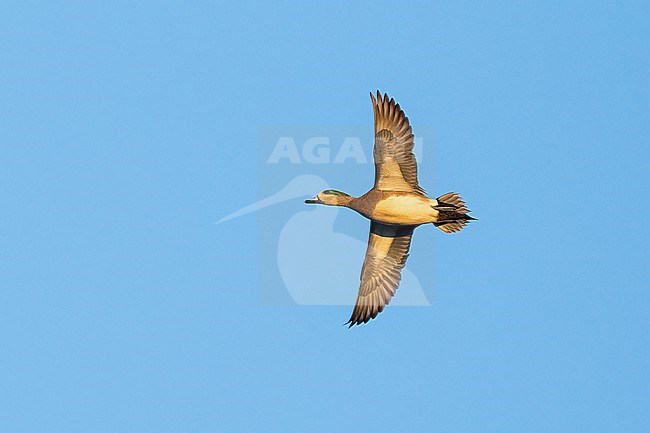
330	197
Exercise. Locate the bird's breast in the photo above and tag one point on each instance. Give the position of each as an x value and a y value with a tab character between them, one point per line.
404	209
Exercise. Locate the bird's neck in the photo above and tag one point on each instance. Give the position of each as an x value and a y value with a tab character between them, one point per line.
344	201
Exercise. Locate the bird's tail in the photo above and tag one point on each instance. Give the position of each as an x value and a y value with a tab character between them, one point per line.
452	213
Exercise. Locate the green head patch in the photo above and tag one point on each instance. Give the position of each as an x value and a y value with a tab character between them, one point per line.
335	192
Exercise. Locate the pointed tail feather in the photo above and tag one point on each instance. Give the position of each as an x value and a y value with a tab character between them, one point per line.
452	216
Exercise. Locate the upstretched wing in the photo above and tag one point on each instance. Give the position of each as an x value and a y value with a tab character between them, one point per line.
388	248
395	165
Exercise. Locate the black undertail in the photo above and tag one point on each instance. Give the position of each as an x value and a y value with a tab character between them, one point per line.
452	213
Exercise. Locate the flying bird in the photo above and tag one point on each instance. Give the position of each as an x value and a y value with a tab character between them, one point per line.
395	206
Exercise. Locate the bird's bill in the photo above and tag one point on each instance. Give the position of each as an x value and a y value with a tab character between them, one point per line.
314	200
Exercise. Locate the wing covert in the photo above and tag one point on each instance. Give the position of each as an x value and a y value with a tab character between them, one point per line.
395	164
388	248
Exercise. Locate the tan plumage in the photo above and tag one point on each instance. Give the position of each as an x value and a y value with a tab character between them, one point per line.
395	205
395	165
388	248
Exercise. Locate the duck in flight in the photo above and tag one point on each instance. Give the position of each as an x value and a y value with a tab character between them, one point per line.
395	206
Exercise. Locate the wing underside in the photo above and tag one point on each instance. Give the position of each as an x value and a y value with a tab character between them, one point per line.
395	165
386	255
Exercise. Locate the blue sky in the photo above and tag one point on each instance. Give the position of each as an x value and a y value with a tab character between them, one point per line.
128	129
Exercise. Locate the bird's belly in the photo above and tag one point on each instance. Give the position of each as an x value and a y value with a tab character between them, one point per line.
404	209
